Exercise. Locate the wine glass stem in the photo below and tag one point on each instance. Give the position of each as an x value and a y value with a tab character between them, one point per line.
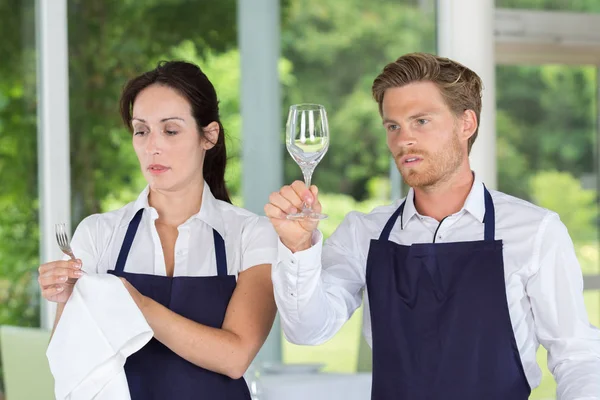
307	172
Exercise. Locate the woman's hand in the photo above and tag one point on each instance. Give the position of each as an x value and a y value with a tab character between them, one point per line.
57	278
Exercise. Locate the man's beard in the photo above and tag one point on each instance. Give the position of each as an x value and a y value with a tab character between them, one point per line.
438	168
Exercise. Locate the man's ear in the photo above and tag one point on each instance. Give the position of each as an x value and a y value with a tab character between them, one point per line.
468	124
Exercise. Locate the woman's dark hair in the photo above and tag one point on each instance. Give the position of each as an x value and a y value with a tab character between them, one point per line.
189	81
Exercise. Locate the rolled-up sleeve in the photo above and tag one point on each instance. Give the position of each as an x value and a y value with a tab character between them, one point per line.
561	321
259	243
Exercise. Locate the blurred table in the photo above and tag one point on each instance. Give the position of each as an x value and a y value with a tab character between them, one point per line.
316	386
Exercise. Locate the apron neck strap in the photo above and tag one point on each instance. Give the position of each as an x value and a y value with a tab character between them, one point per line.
385	234
220	254
129	236
489	219
132	230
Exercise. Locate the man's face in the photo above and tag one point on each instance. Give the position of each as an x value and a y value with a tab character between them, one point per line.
428	142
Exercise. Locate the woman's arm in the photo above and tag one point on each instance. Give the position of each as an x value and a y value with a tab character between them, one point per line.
228	350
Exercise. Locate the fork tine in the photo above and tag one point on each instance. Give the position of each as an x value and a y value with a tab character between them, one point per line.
57	232
65	237
61	235
62	238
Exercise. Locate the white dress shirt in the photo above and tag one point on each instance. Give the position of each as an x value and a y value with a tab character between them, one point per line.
249	239
318	289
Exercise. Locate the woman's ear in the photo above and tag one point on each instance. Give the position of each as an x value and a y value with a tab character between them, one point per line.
211	135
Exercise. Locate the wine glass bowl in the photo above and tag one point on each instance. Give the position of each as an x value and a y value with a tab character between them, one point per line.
307	141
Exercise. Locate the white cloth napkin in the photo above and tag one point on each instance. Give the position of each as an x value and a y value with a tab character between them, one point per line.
100	327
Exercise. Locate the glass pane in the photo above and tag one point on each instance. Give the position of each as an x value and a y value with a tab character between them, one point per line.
547	141
18	166
19	249
552	5
111	42
335	50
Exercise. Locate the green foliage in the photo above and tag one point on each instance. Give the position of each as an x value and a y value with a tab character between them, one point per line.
548	116
513	165
18	167
349	43
551	5
562	193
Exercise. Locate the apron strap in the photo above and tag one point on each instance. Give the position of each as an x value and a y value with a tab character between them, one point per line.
220	254
489	219
129	236
132	230
385	234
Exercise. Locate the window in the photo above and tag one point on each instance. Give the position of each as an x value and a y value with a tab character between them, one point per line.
547	141
336	49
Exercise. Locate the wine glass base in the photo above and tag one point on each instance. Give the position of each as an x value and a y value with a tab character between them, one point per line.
307	215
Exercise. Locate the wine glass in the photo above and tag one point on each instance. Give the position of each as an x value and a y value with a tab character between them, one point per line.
307	140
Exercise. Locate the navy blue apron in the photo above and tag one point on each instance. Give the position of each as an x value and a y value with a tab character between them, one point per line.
155	372
440	321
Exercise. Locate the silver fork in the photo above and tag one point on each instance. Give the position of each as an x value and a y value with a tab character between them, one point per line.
62	238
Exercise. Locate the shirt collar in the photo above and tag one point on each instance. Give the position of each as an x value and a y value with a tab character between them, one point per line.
209	212
474	204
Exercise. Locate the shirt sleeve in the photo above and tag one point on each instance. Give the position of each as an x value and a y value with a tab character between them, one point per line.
84	244
561	321
317	290
259	243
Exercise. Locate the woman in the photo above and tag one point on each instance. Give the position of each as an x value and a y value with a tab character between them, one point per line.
180	246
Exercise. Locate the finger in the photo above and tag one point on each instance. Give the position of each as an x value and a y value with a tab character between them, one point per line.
277	200
51	265
273	212
309	225
51	280
299	186
59	275
291	195
303	192
63	271
73	264
316	204
52	291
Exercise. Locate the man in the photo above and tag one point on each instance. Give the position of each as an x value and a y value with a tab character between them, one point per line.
462	283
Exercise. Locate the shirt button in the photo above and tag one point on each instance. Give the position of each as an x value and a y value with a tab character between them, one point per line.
293	262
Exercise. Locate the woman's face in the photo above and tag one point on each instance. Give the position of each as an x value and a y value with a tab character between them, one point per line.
166	139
